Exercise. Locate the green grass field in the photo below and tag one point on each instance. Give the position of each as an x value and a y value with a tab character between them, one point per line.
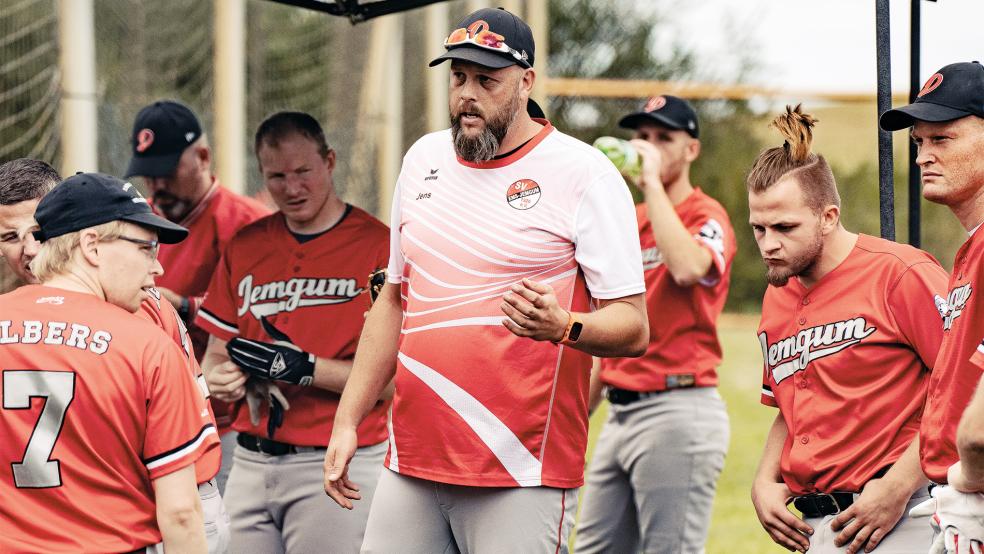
734	527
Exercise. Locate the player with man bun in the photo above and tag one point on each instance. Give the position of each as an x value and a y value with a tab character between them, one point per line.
849	332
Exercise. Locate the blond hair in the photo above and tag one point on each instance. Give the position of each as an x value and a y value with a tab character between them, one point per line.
55	255
794	159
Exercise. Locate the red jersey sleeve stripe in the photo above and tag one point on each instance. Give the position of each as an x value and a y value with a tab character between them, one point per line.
181	451
216	321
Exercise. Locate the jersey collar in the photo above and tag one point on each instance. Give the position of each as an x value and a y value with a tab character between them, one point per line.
515	156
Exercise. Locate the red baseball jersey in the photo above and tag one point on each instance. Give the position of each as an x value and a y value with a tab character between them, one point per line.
959	366
847	362
475	404
161	313
683	342
189	264
97	403
316	293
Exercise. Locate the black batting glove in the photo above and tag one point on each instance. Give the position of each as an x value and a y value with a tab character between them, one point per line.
276	361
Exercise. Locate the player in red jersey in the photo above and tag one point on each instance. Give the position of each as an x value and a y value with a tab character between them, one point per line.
105	461
505	232
849	333
172	154
651	481
947	121
285	310
23	183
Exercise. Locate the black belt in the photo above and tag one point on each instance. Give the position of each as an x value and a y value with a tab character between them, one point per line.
622	396
272	447
823	504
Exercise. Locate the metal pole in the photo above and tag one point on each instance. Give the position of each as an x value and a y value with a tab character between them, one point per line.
886	192
391	123
537	17
229	103
915	192
436	28
77	61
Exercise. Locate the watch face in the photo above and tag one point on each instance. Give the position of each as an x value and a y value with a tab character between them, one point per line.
575	331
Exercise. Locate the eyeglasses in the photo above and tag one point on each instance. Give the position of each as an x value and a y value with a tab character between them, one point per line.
153	245
478	34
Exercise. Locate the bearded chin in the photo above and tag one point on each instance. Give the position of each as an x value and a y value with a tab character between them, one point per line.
483	146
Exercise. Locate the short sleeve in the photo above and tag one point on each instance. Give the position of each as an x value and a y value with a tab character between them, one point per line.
179	427
606	239
218	312
394	268
913	303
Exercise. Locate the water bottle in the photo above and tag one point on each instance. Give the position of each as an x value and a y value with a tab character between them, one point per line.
622	155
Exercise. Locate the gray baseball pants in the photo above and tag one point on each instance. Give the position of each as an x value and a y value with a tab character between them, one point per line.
651	481
910	536
278	504
417	516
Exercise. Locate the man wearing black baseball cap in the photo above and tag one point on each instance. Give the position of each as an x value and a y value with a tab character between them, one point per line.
662	500
172	155
505	230
947	120
118	385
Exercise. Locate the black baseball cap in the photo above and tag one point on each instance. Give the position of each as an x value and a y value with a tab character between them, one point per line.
668	111
89	199
161	133
516	34
953	92
534	110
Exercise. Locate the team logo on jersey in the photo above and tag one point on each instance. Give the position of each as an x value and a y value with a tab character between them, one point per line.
651	258
952	308
300	292
56	300
794	353
523	194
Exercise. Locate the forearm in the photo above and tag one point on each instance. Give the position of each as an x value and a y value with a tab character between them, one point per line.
619	328
970	438
375	360
905	474
333	375
686	260
769	469
596	387
179	512
215	354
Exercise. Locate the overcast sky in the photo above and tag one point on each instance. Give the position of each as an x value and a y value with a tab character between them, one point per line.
829	45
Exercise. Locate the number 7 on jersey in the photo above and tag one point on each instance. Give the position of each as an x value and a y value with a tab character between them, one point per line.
37	470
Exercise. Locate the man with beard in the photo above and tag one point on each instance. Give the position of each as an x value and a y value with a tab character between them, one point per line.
947	120
849	331
655	467
504	233
172	154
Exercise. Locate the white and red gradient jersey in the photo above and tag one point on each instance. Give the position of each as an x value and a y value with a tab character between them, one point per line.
847	363
960	364
474	404
96	404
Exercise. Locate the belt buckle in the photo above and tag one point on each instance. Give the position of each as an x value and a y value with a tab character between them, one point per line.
825	500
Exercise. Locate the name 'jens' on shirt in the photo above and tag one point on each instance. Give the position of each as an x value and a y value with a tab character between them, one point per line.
73	335
812	344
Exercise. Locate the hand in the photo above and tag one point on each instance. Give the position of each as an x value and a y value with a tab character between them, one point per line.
226	382
786	530
652	164
958	518
534	312
956	479
872	516
278	361
341	449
